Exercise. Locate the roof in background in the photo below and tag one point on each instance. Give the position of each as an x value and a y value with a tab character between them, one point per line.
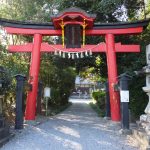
80	80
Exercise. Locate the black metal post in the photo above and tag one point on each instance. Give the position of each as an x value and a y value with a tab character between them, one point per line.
39	97
107	101
19	101
124	91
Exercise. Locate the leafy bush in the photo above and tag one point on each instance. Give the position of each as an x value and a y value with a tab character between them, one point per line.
138	98
61	90
54	73
60	78
5	80
99	97
99	106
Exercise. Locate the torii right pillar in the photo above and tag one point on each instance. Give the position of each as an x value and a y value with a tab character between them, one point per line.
112	77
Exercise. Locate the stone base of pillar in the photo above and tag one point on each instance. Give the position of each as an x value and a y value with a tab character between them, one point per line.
107	118
145	123
141	139
31	122
125	131
145	118
141	135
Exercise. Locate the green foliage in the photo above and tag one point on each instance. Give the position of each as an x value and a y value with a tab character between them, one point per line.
103	9
55	109
26	10
138	98
99	97
94	72
56	74
99	111
4	80
99	106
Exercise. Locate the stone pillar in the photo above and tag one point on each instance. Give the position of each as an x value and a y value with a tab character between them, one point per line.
124	96
19	101
146	117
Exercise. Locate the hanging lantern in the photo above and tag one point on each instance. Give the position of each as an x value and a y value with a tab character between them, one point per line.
73	36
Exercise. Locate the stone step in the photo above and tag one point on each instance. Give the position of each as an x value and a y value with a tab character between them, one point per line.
141	139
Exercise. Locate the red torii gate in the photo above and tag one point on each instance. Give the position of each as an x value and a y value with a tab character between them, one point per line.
86	21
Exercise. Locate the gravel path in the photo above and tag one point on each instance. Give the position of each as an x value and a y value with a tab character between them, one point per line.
77	128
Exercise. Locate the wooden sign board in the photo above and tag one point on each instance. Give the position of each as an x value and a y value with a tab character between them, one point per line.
124	96
47	92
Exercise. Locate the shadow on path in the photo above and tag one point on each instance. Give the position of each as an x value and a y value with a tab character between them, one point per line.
77	128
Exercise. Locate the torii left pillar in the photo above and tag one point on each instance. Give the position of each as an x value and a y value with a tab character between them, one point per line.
112	77
33	78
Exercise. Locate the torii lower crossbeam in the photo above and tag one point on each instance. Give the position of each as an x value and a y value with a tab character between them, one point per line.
45	47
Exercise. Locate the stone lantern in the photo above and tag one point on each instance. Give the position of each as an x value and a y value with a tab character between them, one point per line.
145	118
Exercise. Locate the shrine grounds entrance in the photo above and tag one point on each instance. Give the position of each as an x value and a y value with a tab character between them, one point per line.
73	25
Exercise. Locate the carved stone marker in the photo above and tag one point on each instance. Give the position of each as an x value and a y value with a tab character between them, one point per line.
148	54
146	117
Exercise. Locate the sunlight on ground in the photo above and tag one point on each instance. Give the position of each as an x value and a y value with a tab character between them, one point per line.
68	131
87	101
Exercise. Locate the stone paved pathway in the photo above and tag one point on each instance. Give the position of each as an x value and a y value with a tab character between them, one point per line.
77	128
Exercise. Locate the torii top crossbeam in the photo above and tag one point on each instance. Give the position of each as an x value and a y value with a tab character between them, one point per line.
72	24
28	28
